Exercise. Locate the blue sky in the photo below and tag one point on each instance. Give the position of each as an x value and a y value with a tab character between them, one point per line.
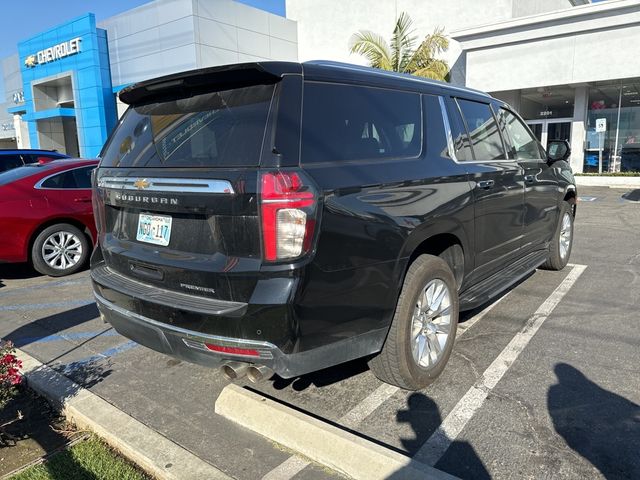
22	19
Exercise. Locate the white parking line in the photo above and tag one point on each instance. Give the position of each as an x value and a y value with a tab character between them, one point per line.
435	447
294	464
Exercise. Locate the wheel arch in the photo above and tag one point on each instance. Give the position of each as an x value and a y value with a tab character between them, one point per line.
434	239
571	197
54	221
437	245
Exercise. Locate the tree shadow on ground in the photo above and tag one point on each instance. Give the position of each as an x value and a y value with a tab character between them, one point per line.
423	415
601	426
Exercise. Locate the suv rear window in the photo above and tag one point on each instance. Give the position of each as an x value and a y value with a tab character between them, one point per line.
346	122
216	129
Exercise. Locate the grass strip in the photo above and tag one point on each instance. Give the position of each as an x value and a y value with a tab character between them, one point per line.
86	460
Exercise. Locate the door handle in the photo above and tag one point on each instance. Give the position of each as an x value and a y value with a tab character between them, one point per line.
82	200
529	178
486	184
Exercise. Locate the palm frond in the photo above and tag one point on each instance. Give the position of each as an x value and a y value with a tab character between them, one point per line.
436	70
373	47
402	41
432	45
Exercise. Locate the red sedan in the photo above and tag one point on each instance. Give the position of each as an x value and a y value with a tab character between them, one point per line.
46	216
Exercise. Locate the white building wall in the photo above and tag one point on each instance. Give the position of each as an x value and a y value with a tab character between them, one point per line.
325	26
523	8
169	36
585	44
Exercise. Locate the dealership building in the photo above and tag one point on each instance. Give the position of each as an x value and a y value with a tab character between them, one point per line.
565	65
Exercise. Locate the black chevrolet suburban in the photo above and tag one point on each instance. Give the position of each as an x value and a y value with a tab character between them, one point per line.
285	217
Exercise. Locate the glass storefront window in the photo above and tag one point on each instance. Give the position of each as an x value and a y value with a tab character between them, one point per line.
620	106
543	103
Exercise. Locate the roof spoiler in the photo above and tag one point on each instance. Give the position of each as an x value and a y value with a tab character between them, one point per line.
203	80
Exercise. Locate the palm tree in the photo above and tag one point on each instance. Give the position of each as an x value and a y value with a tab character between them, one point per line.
400	55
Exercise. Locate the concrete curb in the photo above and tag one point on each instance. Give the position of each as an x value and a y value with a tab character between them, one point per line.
323	443
147	448
614	182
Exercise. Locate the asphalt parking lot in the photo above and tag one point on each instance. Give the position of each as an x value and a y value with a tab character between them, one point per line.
543	383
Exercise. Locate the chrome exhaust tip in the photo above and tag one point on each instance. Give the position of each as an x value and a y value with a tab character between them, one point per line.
258	373
234	370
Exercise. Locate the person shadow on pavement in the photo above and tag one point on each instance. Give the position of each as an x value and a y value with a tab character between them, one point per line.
601	426
423	415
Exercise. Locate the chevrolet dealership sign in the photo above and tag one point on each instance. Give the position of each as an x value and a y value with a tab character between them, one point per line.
56	52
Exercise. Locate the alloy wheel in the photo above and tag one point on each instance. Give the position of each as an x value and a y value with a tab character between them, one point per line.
62	250
565	235
431	323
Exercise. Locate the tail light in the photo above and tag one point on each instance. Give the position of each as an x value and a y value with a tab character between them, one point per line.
288	209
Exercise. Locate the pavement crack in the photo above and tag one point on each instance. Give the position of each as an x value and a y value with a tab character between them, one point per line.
475	371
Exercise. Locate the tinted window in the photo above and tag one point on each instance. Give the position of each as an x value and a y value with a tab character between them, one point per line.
523	145
82	177
437	143
483	130
461	144
34	158
76	178
31	158
213	129
343	122
8	162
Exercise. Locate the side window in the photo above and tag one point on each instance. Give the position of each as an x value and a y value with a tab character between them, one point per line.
461	144
345	122
76	178
483	130
437	141
8	162
58	181
82	177
524	146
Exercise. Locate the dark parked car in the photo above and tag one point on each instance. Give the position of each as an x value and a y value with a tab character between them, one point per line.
285	217
46	216
14	158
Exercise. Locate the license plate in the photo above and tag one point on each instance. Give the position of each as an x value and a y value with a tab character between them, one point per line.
154	229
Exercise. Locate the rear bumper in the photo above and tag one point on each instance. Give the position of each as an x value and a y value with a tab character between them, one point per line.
189	345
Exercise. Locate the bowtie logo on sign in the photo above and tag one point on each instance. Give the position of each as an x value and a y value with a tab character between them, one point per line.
56	52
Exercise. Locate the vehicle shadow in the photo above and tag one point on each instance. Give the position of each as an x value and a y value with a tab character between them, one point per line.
322	378
423	415
51	325
602	427
17	271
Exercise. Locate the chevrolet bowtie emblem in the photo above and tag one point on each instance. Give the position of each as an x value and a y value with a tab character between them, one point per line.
31	61
141	183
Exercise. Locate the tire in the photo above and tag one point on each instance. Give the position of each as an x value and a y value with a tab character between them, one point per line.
562	241
399	363
74	254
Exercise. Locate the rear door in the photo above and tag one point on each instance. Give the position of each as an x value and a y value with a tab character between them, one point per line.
177	190
540	181
496	182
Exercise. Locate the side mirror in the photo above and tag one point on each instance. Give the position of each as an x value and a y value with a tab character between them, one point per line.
558	150
43	160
